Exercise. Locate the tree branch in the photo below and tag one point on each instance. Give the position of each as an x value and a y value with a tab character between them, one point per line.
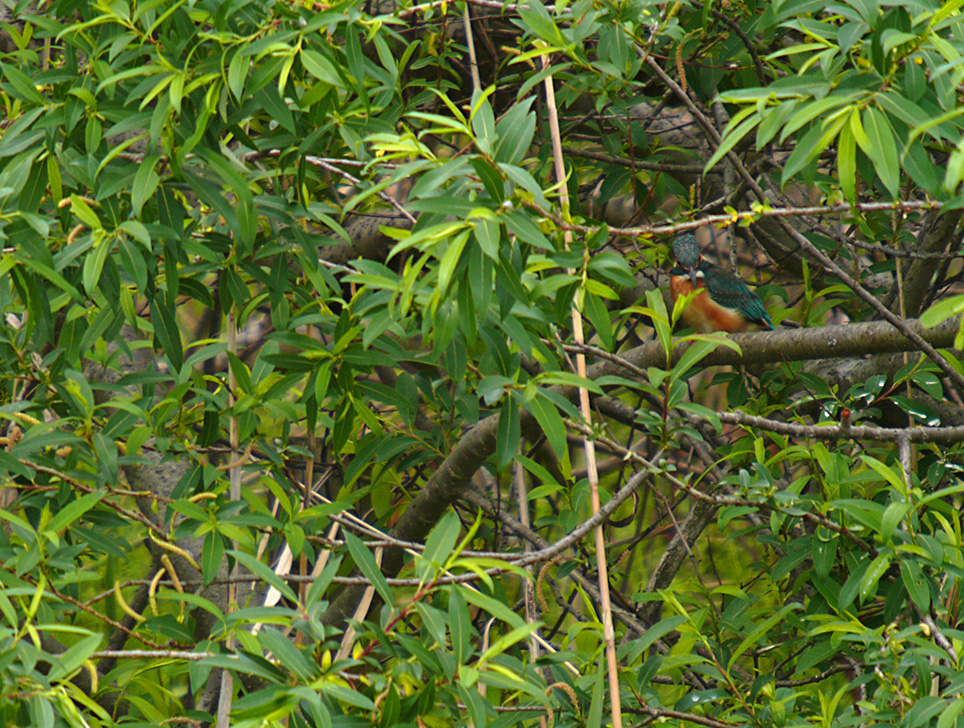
785	345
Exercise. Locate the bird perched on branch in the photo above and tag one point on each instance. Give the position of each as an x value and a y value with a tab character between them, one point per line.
724	303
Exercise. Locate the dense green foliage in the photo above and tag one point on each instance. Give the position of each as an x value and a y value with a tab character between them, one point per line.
251	247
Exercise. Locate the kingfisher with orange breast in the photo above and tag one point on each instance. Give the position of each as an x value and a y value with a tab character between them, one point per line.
724	302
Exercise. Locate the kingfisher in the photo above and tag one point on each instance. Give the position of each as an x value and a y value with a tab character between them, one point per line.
724	303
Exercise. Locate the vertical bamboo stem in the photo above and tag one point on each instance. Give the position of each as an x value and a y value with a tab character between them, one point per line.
579	336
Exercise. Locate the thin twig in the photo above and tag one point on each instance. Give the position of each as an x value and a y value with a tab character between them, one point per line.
473	60
491	4
320	162
152	654
636	163
738	217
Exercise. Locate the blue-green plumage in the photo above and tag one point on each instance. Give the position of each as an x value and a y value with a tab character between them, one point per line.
730	292
730	305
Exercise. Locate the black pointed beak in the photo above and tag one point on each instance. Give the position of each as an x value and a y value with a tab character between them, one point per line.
694	277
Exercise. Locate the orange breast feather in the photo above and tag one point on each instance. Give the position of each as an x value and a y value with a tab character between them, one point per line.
703	314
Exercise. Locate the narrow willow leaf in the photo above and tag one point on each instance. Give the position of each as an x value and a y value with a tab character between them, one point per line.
365	561
262	570
145	183
73	511
878	567
730	139
882	149
551	423
509	433
451	260
441	541
460	625
942	310
167	334
814	143
847	161
761	630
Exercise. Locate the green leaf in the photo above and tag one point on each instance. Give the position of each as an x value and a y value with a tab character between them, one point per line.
493	607
34	190
487	234
693	355
16	138
365	561
878	567
321	68
491	180
824	552
137	231
509	433
597	705
433	621
515	131
460	625
551	423
526	230
441	541
22	84
505	642
808	112
475	703
942	310
929	382
894	514
921	412
212	556
145	183
167	334
895	479
658	631
94	266
237	73
537	19
265	573
285	652
760	631
882	149
921	168
83	211
656	310
568	379
73	658
915	583
451	260
349	696
814	143
773	120
483	122
731	137
847	161
247	664
245	218
74	510
598	314
950	714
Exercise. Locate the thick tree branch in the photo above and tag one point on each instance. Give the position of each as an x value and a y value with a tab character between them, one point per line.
941	435
785	345
937	235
